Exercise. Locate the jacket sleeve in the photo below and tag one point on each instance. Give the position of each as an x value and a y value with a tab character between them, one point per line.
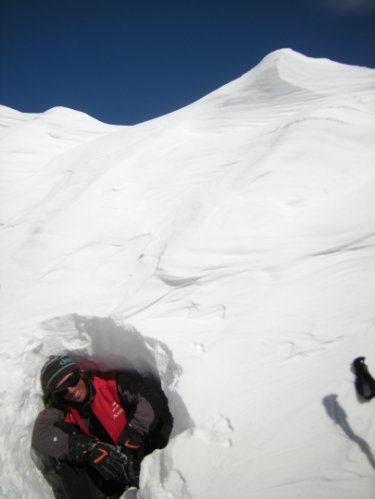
140	398
47	438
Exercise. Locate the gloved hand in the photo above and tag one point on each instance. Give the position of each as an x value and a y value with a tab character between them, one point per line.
108	461
131	442
105	458
131	439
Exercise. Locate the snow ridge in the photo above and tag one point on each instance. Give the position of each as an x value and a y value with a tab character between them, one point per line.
228	248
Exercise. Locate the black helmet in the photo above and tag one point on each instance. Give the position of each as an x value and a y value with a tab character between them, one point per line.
56	367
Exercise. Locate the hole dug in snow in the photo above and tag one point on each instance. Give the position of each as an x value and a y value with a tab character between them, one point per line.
102	344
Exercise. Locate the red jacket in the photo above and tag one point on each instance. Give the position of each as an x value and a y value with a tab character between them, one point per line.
106	406
118	399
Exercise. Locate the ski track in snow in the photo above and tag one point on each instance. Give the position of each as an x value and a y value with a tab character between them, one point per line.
229	249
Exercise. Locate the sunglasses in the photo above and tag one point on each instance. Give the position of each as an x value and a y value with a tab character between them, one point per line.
72	381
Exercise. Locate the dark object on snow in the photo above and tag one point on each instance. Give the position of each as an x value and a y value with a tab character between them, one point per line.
364	382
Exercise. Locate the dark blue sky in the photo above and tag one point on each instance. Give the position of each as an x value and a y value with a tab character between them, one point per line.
126	61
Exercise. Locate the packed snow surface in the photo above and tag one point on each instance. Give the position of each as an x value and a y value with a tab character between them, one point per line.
229	247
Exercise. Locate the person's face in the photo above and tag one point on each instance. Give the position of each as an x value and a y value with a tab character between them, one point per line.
76	393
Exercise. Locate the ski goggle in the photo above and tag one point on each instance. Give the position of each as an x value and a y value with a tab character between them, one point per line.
72	381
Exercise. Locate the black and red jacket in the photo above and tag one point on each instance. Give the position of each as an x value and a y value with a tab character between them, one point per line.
105	406
114	401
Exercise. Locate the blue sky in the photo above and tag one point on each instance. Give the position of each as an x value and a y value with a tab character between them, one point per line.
127	61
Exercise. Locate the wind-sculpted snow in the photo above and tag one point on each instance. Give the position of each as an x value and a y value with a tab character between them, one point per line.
229	249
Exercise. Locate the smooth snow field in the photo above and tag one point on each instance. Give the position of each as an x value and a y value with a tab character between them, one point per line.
229	247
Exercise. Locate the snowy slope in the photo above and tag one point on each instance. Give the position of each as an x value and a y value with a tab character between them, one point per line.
230	247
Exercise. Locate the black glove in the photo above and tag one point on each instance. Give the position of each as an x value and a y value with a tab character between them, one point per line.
364	382
131	442
108	461
131	439
105	458
78	447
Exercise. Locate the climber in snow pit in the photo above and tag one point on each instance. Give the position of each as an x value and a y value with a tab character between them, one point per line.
96	428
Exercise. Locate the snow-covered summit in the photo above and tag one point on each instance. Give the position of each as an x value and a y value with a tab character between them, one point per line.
228	246
287	67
